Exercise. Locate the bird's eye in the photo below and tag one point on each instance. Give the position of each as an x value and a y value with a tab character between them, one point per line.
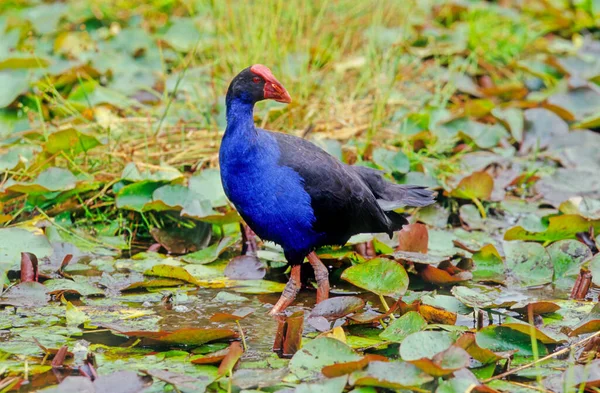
256	79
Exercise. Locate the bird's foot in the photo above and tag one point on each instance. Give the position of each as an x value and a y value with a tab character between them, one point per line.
289	292
321	275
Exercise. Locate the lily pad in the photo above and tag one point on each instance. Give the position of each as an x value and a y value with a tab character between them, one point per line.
561	227
478	185
399	329
381	276
425	344
501	339
391	375
528	263
321	352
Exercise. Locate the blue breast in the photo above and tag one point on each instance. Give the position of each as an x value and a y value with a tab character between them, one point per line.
270	197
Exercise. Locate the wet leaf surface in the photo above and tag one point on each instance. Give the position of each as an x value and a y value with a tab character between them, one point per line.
380	276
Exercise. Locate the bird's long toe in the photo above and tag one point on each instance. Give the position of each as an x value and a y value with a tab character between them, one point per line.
289	292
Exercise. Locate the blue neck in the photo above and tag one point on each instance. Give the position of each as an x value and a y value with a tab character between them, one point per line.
240	118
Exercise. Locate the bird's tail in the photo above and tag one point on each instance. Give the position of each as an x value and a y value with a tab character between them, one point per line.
392	196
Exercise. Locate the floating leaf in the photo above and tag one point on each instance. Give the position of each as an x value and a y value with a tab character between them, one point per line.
14	83
332	385
561	227
321	352
337	307
391	161
413	238
536	307
502	339
230	360
541	334
417	257
478	185
528	263
135	196
185	336
183	240
25	294
207	184
237	315
169	271
442	277
541	125
444	363
594	266
425	344
576	378
380	276
245	267
50	180
78	285
488	265
75	316
118	382
437	315
211	358
590	324
184	383
70	140
399	329
211	253
391	375
339	369
468	343
567	257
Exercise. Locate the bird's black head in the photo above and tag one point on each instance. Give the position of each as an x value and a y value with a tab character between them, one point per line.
257	83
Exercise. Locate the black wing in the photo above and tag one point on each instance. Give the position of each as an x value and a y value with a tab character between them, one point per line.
343	202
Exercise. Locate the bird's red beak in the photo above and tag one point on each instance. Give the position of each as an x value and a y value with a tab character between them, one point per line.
273	89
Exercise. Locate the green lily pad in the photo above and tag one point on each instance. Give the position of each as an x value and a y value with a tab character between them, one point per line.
560	227
210	253
25	294
568	256
594	266
14	83
184	336
425	344
399	329
52	179
79	285
501	339
444	363
390	375
331	385
70	140
168	271
528	263
308	361
391	161
15	240
135	196
488	265
381	276
207	184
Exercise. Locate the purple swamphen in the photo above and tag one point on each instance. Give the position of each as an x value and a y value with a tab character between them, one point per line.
295	194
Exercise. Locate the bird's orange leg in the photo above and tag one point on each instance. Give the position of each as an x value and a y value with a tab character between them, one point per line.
321	275
289	292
